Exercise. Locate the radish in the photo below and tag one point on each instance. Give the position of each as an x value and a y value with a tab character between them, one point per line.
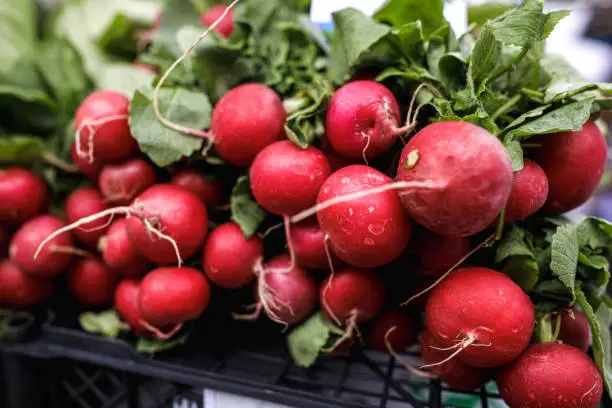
126	303
82	203
308	240
209	191
170	296
470	166
52	259
121	183
119	253
225	27
336	161
286	179
20	290
551	375
481	315
363	120
101	128
575	329
22	195
91	282
229	259
392	330
90	169
245	120
453	372
367	231
529	192
574	163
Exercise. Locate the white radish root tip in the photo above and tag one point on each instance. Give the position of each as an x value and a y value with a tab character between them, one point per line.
90	125
59	163
155	231
329	282
461	344
160	334
401	361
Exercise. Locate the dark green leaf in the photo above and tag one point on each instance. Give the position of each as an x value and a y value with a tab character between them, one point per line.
105	323
20	149
564	256
452	70
513	244
257	13
121	35
594	267
245	211
595	233
155	345
27	110
410	39
306	340
523	270
553	289
400	12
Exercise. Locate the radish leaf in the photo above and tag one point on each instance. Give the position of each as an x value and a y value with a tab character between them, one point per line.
564	256
245	211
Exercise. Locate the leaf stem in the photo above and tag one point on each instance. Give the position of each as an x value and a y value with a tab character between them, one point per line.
532	93
506	107
510	65
500	225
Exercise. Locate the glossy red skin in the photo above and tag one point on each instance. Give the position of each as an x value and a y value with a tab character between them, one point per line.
308	240
245	120
27	239
91	282
225	28
172	295
551	375
403	336
119	253
22	195
112	140
471	165
181	215
352	290
209	191
286	179
574	163
228	258
575	329
90	170
126	303
453	372
359	110
120	183
20	290
82	203
431	255
367	232
472	299
295	287
529	192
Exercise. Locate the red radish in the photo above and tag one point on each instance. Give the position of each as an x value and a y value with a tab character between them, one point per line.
126	303
574	163
82	203
229	259
529	192
20	290
472	169
394	327
575	329
145	67
308	240
210	191
90	169
336	161
121	183
551	375
286	179
363	120
91	282
245	120
431	255
481	315
225	27
119	253
171	295
22	195
368	231
52	259
453	372
101	128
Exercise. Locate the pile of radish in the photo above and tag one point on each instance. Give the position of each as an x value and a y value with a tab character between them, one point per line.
444	230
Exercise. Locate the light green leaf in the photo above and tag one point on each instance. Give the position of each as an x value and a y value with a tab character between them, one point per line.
484	58
106	323
245	211
20	149
595	268
516	154
480	13
124	78
523	270
559	91
306	340
595	233
257	13
301	127
17	32
163	145
155	345
564	256
400	12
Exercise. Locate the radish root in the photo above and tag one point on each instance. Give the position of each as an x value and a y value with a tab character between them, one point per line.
60	249
160	334
329	282
59	163
89	124
460	345
351	328
399	359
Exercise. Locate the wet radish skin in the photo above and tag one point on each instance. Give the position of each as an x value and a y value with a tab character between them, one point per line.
529	192
20	290
22	195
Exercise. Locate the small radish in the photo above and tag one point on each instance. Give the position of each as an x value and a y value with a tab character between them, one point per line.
22	195
82	203
286	179
119	253
551	375
368	231
575	329
90	169
574	163
91	282
529	192
392	330
229	259
308	240
120	183
363	120
210	191
52	259
471	169
20	290
481	316
225	27
101	128
245	120
126	303
453	372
